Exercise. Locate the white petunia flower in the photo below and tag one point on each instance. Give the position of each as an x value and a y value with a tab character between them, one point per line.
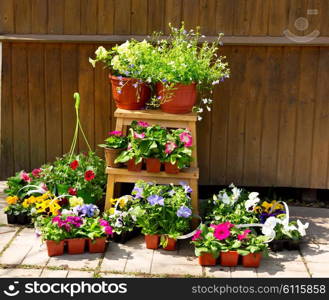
301	227
236	194
269	225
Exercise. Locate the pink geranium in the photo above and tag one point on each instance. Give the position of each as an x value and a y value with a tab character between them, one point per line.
36	172
170	147
143	124
186	138
115	132
25	177
139	135
197	235
243	235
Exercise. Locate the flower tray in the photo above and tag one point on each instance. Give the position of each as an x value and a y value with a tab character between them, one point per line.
126	236
21	219
280	245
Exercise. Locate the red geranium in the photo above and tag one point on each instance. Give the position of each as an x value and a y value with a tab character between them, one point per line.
89	175
74	164
72	191
36	172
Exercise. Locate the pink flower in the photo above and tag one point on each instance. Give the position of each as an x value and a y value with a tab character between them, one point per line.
25	177
197	235
143	124
129	146
170	147
228	225
186	138
115	132
222	231
108	230
243	235
43	186
103	223
36	172
139	135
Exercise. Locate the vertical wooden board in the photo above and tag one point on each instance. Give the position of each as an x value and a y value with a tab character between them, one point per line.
324	13
219	124
53	101
122	10
21	120
88	16
254	114
39	9
225	16
259	19
7	141
208	17
105	16
242	17
271	116
56	16
37	104
297	10
278	17
236	125
288	110
313	15
69	84
86	90
22	16
320	149
173	14
72	19
305	116
156	10
139	17
191	13
6	16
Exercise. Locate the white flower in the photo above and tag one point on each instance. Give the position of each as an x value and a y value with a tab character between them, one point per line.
301	227
269	225
225	198
236	193
199	118
252	201
208	108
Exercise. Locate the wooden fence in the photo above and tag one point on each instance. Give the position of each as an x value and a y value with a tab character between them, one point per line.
270	120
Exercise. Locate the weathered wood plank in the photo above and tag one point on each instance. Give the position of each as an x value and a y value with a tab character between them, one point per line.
7	16
56	16
105	17
88	16
139	17
207	19
191	13
173	14
224	17
39	16
72	17
23	16
122	23
260	17
156	10
278	17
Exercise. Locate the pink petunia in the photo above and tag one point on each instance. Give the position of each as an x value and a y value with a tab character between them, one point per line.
186	138
103	223
143	124
36	172
243	235
197	235
139	135
115	132
25	177
222	231
108	230
170	147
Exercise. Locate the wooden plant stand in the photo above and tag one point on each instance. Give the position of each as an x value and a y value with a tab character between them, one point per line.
189	175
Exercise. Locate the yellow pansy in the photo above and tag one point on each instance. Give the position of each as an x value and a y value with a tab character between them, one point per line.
277	205
267	206
111	210
258	210
75	201
48	206
12	200
113	201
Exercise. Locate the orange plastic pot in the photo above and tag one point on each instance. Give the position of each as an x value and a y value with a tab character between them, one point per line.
134	167
153	165
171	244
152	241
55	248
207	259
177	100
97	245
111	155
252	260
171	169
229	258
76	246
126	95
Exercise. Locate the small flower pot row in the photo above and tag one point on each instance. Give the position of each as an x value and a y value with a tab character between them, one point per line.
280	245
21	219
152	241
153	165
231	259
76	246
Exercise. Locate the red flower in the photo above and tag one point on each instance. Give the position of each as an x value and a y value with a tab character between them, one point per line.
74	164
25	177
89	175
72	191
36	172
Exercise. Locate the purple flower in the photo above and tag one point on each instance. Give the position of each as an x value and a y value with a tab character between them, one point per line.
86	210
186	187
184	212
155	199
171	193
138	191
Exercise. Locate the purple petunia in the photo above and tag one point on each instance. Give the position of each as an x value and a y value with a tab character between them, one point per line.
138	191
155	199
184	212
86	210
186	187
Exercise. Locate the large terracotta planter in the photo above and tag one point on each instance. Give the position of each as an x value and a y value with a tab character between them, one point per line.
110	156
97	245
55	248
130	97
153	165
171	169
171	244
229	258
152	241
134	167
179	100
207	259
76	246
252	260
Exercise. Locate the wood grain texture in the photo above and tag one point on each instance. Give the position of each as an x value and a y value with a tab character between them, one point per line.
139	17
122	22
56	16
39	16
23	16
173	14
72	17
105	17
7	16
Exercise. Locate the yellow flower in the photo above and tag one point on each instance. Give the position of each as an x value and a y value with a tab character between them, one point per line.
12	200
48	206
113	201
26	203
267	206
75	201
122	203
258	209
111	210
277	205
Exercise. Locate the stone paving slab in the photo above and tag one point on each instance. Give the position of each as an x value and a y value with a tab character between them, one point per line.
218	271
37	255
54	273
80	274
77	261
20	273
115	258
317	253
6	234
111	275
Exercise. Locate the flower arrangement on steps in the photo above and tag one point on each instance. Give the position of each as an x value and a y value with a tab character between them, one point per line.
176	68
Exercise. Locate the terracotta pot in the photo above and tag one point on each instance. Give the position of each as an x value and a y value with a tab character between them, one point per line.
134	167
171	169
179	100
97	245
55	248
229	258
152	241
207	259
171	245
252	260
110	156
76	246
11	219
153	165
130	97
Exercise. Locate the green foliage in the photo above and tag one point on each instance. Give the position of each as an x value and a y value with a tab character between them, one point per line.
254	244
16	209
115	141
92	229
51	231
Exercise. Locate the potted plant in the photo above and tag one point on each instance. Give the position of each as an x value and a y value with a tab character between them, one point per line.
129	65
114	144
17	214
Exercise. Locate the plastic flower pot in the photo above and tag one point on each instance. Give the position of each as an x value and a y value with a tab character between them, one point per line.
293	244
277	245
252	260
134	167
179	100
22	219
171	245
207	259
11	219
110	156
126	95
55	248
62	189
153	165
152	241
76	246
97	245
229	258
171	169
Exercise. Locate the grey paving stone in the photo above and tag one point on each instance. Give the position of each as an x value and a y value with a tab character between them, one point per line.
111	275
77	261
315	253
218	271
115	258
319	269
54	273
281	268
6	234
80	274
20	273
241	272
139	261
37	256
